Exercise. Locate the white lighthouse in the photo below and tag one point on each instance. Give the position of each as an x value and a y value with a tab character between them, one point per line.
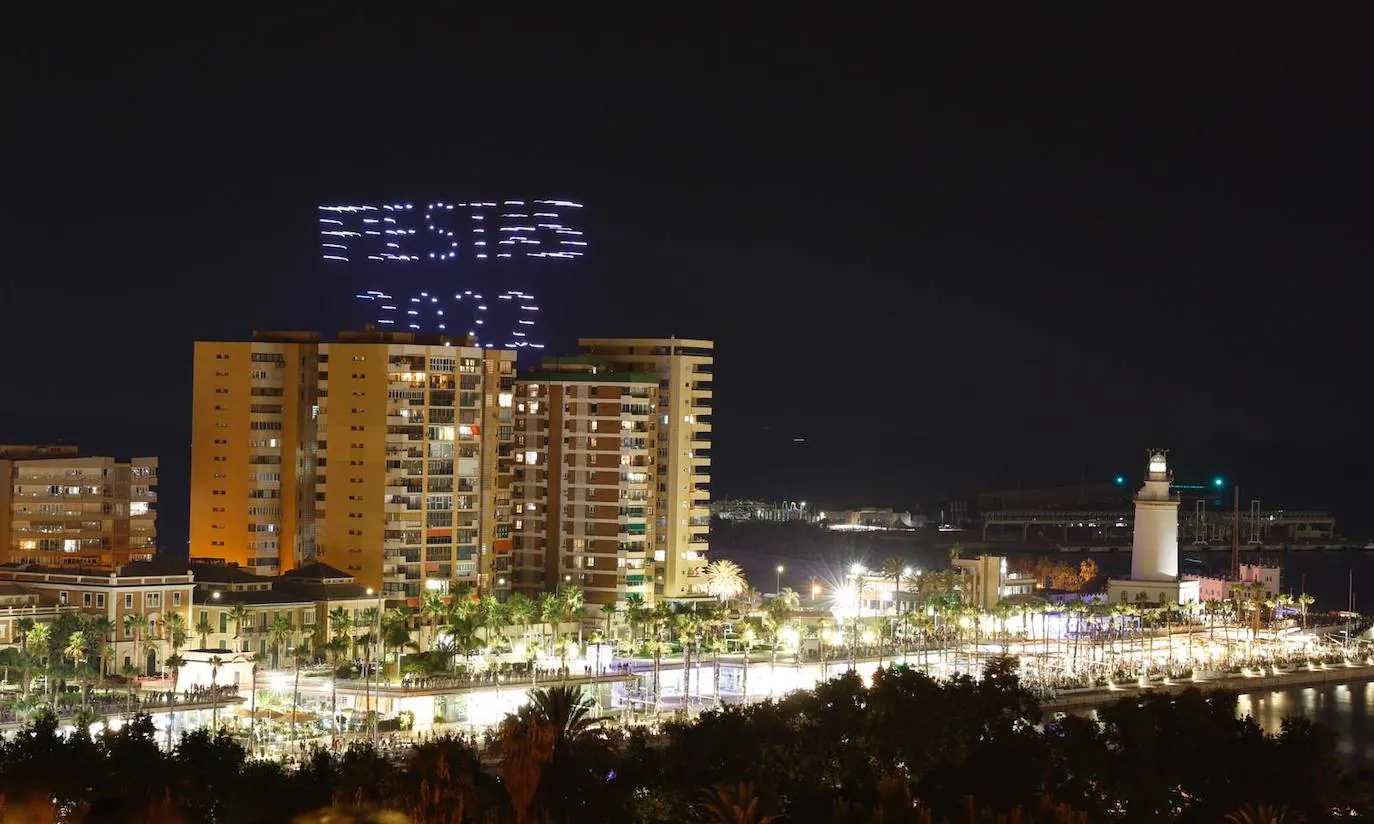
1154	545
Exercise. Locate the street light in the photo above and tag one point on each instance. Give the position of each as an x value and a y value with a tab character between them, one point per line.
375	703
777	587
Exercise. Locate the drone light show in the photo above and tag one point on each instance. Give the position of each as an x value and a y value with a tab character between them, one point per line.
469	267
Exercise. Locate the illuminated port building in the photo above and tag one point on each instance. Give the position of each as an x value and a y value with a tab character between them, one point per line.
474	268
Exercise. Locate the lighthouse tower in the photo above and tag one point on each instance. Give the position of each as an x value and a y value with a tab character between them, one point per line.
1154	546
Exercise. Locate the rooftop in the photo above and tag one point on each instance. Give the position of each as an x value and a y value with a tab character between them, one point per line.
203	572
29	452
20	571
318	572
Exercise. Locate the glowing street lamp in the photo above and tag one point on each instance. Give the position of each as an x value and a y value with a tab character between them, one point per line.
777	589
846	595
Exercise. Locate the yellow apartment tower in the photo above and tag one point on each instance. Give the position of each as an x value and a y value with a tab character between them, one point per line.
61	509
585	446
385	454
415	462
682	473
253	430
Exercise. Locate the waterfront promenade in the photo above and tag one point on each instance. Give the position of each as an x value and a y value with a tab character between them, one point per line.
1085	699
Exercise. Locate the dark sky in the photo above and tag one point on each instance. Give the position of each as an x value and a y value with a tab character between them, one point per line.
948	253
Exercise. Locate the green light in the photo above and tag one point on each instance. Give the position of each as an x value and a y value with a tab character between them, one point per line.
1120	480
1218	482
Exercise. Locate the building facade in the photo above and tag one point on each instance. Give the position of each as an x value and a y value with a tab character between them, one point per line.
682	469
586	441
253	451
388	454
272	618
414	460
1224	588
60	509
134	591
987	581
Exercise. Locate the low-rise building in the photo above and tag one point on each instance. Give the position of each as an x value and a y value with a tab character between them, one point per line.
1222	588
235	610
986	580
135	600
19	602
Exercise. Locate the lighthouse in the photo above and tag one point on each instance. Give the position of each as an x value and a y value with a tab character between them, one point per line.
1154	544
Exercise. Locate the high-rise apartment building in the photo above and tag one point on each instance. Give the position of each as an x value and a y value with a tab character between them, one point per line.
415	462
385	454
253	433
585	445
60	509
682	460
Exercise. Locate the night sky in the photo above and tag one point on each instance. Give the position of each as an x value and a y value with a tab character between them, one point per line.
950	254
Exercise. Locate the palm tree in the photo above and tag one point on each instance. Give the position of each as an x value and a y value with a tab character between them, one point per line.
136	623
129	673
777	612
240	615
107	657
432	606
367	622
550	612
494	618
341	627
1258	814
893	569
574	604
24	628
660	617
688	626
215	663
1304	601
175	625
396	633
203	629
636	612
174	663
279	632
573	753
724	580
104	628
723	804
522	612
76	650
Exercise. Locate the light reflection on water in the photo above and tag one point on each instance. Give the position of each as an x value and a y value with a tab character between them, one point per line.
1345	708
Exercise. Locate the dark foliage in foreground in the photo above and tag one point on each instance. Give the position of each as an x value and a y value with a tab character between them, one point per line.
908	749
